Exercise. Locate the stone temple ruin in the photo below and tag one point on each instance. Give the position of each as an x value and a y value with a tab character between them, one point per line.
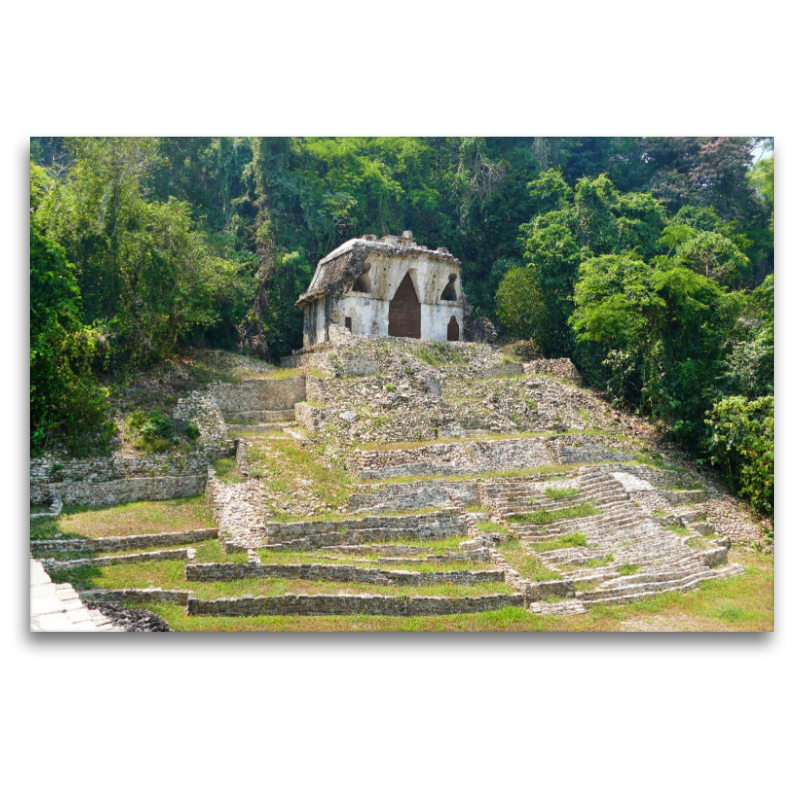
460	480
388	287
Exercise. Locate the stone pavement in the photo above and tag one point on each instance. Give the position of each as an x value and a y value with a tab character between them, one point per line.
56	607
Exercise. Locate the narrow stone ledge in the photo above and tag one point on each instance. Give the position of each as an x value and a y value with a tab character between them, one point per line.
338	573
111	543
151	595
329	604
107	561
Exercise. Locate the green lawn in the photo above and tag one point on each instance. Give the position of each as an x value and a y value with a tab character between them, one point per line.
128	519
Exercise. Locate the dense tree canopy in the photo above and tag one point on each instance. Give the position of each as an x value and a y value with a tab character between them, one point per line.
646	260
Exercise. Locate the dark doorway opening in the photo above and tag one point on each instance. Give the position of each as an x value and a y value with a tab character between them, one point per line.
452	330
348	323
405	316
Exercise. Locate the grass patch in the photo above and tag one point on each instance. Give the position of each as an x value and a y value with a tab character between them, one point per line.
599	562
524	562
561	494
651	458
679	530
629	569
546	517
492	527
127	519
226	470
576	539
438	354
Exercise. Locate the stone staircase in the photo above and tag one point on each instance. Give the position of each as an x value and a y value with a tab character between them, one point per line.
619	535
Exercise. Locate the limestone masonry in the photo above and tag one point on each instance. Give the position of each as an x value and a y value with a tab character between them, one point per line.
464	480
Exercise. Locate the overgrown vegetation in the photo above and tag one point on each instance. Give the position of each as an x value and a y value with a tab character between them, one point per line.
561	494
575	539
527	564
545	517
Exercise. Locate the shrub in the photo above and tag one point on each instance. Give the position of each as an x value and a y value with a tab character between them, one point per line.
152	431
741	440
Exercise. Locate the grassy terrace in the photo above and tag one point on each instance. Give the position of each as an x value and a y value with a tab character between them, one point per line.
170	575
287	466
128	519
743	603
226	470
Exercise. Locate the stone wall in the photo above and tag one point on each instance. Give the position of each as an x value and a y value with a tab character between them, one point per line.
119	478
338	573
108	544
201	409
106	561
560	367
93	470
505	369
268	394
494	455
110	493
324	604
437	525
137	595
312	418
415	495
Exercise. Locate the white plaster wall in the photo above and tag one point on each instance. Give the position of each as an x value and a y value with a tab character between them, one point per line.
370	317
430	276
436	318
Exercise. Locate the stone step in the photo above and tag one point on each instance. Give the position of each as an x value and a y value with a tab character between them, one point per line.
561	608
644	588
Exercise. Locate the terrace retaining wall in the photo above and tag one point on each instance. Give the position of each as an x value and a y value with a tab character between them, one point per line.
110	543
342	573
322	604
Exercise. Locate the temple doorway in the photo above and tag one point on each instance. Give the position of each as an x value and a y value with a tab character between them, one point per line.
452	330
405	316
